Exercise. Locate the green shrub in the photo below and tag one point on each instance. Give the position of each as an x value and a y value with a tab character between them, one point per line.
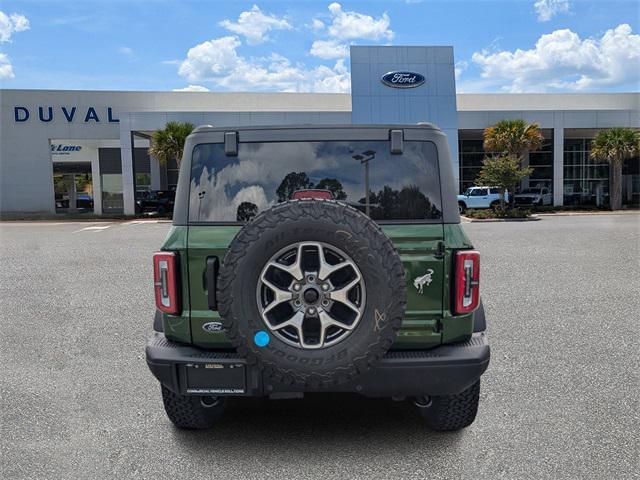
498	213
543	208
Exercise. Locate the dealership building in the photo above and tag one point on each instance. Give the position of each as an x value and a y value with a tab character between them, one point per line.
67	151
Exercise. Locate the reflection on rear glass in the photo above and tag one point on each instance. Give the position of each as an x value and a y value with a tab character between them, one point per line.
363	174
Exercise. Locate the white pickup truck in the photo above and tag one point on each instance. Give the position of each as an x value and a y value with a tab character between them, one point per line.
480	197
534	196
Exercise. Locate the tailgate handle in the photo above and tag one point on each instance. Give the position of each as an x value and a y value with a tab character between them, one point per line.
212	282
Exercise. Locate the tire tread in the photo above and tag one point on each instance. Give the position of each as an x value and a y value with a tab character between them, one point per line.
453	412
187	412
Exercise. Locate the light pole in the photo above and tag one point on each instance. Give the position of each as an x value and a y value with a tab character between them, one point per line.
364	158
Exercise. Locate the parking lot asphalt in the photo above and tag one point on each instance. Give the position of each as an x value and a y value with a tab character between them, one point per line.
560	398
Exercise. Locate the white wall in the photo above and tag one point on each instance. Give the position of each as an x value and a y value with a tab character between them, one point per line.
26	174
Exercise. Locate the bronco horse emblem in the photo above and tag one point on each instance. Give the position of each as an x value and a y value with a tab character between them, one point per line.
425	279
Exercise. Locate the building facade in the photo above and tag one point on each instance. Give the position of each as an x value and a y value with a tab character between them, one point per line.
72	151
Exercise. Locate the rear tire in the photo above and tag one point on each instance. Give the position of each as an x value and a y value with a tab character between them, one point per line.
494	205
461	207
451	412
192	412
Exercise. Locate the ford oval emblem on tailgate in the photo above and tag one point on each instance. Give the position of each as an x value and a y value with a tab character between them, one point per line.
403	79
212	327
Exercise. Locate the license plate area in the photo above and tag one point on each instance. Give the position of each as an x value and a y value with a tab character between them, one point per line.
214	378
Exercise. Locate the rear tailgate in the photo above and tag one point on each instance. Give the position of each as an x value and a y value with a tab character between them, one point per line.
417	245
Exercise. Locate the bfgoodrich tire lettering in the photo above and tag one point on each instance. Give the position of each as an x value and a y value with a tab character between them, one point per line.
331	223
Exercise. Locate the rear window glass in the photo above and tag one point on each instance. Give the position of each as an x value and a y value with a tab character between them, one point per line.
402	187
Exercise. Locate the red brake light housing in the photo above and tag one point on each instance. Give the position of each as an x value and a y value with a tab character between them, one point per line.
165	282
312	193
467	281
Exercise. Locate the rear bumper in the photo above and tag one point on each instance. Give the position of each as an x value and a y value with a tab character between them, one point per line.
444	370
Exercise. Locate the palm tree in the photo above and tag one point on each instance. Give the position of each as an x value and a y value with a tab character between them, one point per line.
615	146
514	139
167	144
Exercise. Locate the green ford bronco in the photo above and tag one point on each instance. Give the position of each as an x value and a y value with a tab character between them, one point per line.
318	259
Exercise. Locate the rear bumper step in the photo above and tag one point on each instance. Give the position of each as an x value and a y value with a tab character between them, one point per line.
443	370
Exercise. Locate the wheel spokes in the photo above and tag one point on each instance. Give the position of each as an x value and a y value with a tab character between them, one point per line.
295	269
279	296
295	321
315	292
341	295
326	268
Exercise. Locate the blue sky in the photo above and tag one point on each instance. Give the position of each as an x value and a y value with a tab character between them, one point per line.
500	46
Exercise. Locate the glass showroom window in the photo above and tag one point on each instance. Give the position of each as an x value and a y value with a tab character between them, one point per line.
142	165
111	180
471	157
472	154
542	163
586	181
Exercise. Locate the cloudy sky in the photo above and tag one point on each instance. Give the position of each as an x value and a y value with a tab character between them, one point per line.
296	45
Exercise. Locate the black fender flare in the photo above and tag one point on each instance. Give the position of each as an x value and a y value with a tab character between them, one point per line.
479	319
157	322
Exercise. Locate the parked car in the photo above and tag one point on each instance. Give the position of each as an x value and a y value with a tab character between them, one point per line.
309	294
155	201
533	196
84	201
480	197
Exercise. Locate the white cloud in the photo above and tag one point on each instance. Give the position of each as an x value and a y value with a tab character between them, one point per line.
10	24
344	27
317	25
6	70
328	49
192	88
125	51
219	62
331	79
547	9
211	59
561	60
460	67
354	25
254	25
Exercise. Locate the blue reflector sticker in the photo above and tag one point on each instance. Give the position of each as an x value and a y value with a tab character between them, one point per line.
261	338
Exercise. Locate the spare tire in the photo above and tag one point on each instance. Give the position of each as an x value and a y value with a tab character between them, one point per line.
312	291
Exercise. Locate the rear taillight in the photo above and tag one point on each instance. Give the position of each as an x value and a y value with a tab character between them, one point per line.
467	278
165	281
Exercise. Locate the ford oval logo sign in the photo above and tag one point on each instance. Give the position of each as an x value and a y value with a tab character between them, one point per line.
211	327
403	79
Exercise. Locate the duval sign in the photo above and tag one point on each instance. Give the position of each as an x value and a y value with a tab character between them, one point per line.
403	79
70	114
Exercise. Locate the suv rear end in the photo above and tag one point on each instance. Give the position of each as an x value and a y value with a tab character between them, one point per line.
392	230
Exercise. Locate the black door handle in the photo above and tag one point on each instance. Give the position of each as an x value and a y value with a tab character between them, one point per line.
213	265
